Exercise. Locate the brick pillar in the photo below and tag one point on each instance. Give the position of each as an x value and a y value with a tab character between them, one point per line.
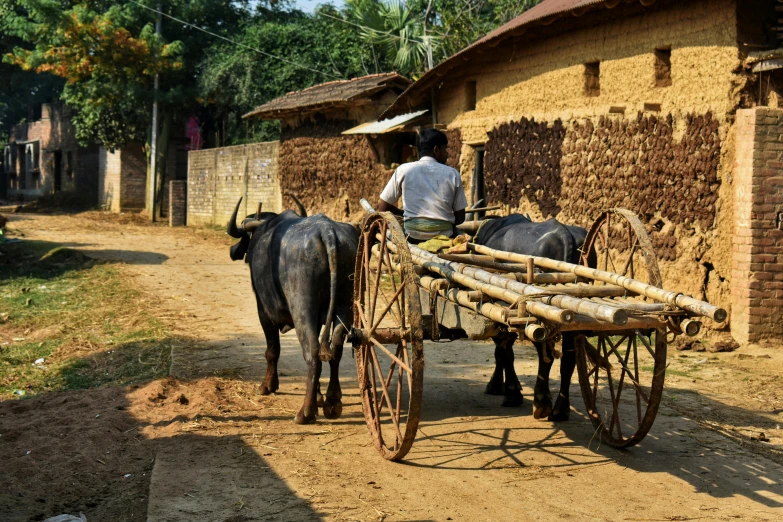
177	202
757	268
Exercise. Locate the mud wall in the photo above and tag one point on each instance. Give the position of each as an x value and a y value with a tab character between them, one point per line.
665	151
330	172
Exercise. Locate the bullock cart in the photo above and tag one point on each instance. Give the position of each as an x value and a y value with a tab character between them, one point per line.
622	317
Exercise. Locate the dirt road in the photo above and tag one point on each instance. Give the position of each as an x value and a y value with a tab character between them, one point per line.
231	455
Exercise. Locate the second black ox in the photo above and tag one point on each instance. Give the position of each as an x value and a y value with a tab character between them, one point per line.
300	268
517	233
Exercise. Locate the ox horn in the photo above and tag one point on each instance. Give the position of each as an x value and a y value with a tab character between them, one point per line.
232	229
302	211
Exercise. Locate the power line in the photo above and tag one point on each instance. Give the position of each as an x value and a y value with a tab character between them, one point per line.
387	33
302	66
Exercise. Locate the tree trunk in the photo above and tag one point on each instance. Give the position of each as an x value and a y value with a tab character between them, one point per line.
163	153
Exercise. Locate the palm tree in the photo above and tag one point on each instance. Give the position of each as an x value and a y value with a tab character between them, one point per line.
391	25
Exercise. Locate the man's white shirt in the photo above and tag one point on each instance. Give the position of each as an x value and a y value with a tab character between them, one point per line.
428	190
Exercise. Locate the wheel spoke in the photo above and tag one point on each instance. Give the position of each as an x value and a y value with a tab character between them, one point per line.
630	375
610	381
386	309
394	284
376	285
646	344
376	410
391	355
386	396
407	361
629	263
636	374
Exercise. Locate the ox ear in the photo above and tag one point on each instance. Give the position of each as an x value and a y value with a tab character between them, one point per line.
239	250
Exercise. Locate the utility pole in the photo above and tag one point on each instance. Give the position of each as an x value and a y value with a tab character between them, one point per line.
153	181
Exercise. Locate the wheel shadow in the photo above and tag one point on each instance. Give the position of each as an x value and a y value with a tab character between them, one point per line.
475	433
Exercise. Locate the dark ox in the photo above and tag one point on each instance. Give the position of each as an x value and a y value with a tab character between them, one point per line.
300	268
552	239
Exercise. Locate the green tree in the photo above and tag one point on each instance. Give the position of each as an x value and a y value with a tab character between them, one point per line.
301	50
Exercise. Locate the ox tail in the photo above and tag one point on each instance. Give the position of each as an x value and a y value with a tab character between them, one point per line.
330	241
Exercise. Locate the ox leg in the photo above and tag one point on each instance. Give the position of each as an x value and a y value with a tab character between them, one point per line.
333	405
562	409
495	384
271	383
542	398
512	389
308	338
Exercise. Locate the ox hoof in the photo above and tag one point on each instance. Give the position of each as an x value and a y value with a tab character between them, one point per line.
333	410
301	418
512	399
542	410
562	411
494	387
266	389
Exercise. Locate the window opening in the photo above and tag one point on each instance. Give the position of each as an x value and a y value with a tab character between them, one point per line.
470	95
593	79
663	67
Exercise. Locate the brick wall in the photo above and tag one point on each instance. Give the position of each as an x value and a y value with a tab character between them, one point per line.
177	202
217	178
757	268
109	169
122	178
134	177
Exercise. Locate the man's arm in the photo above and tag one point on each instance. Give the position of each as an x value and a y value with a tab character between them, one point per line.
459	217
388	207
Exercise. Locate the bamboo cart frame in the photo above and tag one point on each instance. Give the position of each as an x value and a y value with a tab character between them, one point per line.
621	325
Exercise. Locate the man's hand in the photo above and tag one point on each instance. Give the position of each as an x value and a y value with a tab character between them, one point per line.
388	207
459	217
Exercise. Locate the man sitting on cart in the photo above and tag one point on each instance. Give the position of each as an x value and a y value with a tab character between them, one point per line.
432	195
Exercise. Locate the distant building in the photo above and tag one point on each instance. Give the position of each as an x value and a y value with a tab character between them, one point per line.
43	157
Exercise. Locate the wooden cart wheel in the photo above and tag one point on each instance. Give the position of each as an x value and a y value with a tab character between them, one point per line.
622	374
388	336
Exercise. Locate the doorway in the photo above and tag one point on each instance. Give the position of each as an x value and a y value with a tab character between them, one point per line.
478	190
58	170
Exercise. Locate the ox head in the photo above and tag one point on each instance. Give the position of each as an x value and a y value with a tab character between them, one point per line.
245	230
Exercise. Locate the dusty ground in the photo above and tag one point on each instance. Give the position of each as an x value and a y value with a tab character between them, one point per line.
223	453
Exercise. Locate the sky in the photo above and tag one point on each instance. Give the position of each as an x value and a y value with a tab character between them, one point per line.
309	5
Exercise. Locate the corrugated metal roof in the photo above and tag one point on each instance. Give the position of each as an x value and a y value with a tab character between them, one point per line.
545	12
340	92
384	126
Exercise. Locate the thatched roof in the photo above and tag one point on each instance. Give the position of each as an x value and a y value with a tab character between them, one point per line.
341	93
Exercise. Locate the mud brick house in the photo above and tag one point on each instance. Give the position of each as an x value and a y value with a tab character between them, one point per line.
330	171
668	108
43	157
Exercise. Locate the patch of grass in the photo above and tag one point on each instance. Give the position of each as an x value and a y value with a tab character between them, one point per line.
88	323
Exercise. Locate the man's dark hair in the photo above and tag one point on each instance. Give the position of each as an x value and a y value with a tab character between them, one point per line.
429	139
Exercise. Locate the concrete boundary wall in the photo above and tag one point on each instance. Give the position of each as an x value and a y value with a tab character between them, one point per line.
217	178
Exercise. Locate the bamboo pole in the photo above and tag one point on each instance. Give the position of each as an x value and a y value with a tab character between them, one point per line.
455	295
584	323
601	312
653	292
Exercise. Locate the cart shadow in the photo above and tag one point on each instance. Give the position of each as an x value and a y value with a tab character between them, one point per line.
477	434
